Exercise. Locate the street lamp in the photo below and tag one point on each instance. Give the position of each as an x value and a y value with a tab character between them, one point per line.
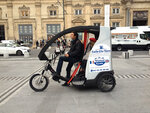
62	5
64	14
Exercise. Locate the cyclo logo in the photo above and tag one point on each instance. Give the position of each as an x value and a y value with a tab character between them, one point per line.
101	50
99	61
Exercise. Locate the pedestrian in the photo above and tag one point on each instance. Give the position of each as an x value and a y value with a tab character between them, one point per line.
64	42
43	42
40	43
74	55
18	42
37	44
58	42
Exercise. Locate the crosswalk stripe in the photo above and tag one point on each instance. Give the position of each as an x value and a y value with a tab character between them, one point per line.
148	75
118	76
132	76
128	76
10	78
141	76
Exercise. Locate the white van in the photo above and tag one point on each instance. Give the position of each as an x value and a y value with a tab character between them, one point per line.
131	37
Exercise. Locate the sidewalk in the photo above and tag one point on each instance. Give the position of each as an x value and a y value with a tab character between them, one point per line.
134	65
13	73
57	99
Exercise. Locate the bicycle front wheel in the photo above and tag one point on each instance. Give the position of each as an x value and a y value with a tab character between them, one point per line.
38	83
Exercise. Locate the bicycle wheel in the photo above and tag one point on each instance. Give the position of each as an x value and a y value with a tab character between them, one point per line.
38	83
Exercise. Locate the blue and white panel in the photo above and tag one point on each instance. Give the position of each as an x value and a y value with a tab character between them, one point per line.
100	56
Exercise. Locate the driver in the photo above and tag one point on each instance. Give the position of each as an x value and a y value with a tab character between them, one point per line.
74	55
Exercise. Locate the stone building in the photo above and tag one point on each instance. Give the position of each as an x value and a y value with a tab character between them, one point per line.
31	20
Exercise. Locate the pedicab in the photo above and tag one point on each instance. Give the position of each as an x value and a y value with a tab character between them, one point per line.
98	71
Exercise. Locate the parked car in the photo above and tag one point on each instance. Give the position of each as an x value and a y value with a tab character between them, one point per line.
8	41
13	49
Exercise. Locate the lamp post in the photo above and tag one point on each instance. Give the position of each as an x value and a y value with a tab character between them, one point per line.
63	11
63	15
107	15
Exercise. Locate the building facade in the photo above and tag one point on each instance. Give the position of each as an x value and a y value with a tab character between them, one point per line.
32	20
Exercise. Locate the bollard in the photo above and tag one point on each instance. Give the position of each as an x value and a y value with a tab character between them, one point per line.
38	47
130	52
49	47
47	54
125	55
149	51
26	55
6	55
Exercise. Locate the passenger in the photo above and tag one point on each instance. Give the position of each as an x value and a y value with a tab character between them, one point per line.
74	55
87	52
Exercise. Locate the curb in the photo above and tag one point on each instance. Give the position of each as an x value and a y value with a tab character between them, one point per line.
135	56
18	59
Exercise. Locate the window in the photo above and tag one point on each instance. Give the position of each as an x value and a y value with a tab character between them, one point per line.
24	11
78	12
115	24
116	11
25	29
53	29
25	33
96	24
52	12
2	32
96	11
2	45
145	36
9	45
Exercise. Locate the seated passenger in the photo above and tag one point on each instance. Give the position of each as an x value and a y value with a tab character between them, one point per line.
86	54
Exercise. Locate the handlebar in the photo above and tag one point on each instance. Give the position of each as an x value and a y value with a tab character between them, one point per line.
53	58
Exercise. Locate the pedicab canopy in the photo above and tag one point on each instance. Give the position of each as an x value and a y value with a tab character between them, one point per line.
100	56
86	29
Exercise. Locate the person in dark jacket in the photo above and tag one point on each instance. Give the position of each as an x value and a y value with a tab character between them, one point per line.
37	44
74	55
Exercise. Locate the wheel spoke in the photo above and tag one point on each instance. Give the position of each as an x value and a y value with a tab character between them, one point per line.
39	82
